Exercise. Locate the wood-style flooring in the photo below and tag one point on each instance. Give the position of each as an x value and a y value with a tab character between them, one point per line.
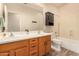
63	52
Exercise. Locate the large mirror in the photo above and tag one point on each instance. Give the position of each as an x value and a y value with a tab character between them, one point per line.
23	16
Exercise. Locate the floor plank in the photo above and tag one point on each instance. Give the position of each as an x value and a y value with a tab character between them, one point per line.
63	52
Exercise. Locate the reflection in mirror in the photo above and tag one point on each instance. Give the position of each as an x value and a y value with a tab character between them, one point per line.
24	16
2	26
2	18
13	22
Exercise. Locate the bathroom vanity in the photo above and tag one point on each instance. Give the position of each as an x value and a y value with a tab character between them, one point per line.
27	45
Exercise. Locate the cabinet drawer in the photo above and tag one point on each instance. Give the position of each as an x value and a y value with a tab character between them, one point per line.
33	41
34	53
33	44
33	47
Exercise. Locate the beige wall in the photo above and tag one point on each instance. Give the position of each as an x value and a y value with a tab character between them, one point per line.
68	20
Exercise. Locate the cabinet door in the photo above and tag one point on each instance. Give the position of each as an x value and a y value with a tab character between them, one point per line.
4	54
42	46
48	44
21	51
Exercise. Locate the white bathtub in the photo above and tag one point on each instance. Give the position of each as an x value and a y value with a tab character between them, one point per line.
70	44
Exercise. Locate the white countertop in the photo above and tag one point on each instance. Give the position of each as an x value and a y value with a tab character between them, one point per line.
19	37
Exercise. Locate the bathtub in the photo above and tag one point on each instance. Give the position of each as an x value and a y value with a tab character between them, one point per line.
70	44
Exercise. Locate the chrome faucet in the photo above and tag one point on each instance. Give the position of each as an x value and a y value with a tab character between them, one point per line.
4	34
27	31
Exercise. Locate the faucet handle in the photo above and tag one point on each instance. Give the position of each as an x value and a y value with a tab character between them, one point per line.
4	34
11	34
27	30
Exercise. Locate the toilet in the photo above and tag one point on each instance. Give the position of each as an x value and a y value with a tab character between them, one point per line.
55	42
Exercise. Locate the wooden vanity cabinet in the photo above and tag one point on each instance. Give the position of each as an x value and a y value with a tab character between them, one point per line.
29	47
44	45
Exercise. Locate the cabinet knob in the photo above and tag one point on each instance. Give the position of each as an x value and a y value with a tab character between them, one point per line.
33	40
33	46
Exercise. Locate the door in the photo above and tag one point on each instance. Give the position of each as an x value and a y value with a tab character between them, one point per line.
42	46
21	51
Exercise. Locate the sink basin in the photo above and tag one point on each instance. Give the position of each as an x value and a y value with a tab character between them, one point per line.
16	36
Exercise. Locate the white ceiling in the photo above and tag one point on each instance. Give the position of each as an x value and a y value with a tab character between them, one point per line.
39	6
56	5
